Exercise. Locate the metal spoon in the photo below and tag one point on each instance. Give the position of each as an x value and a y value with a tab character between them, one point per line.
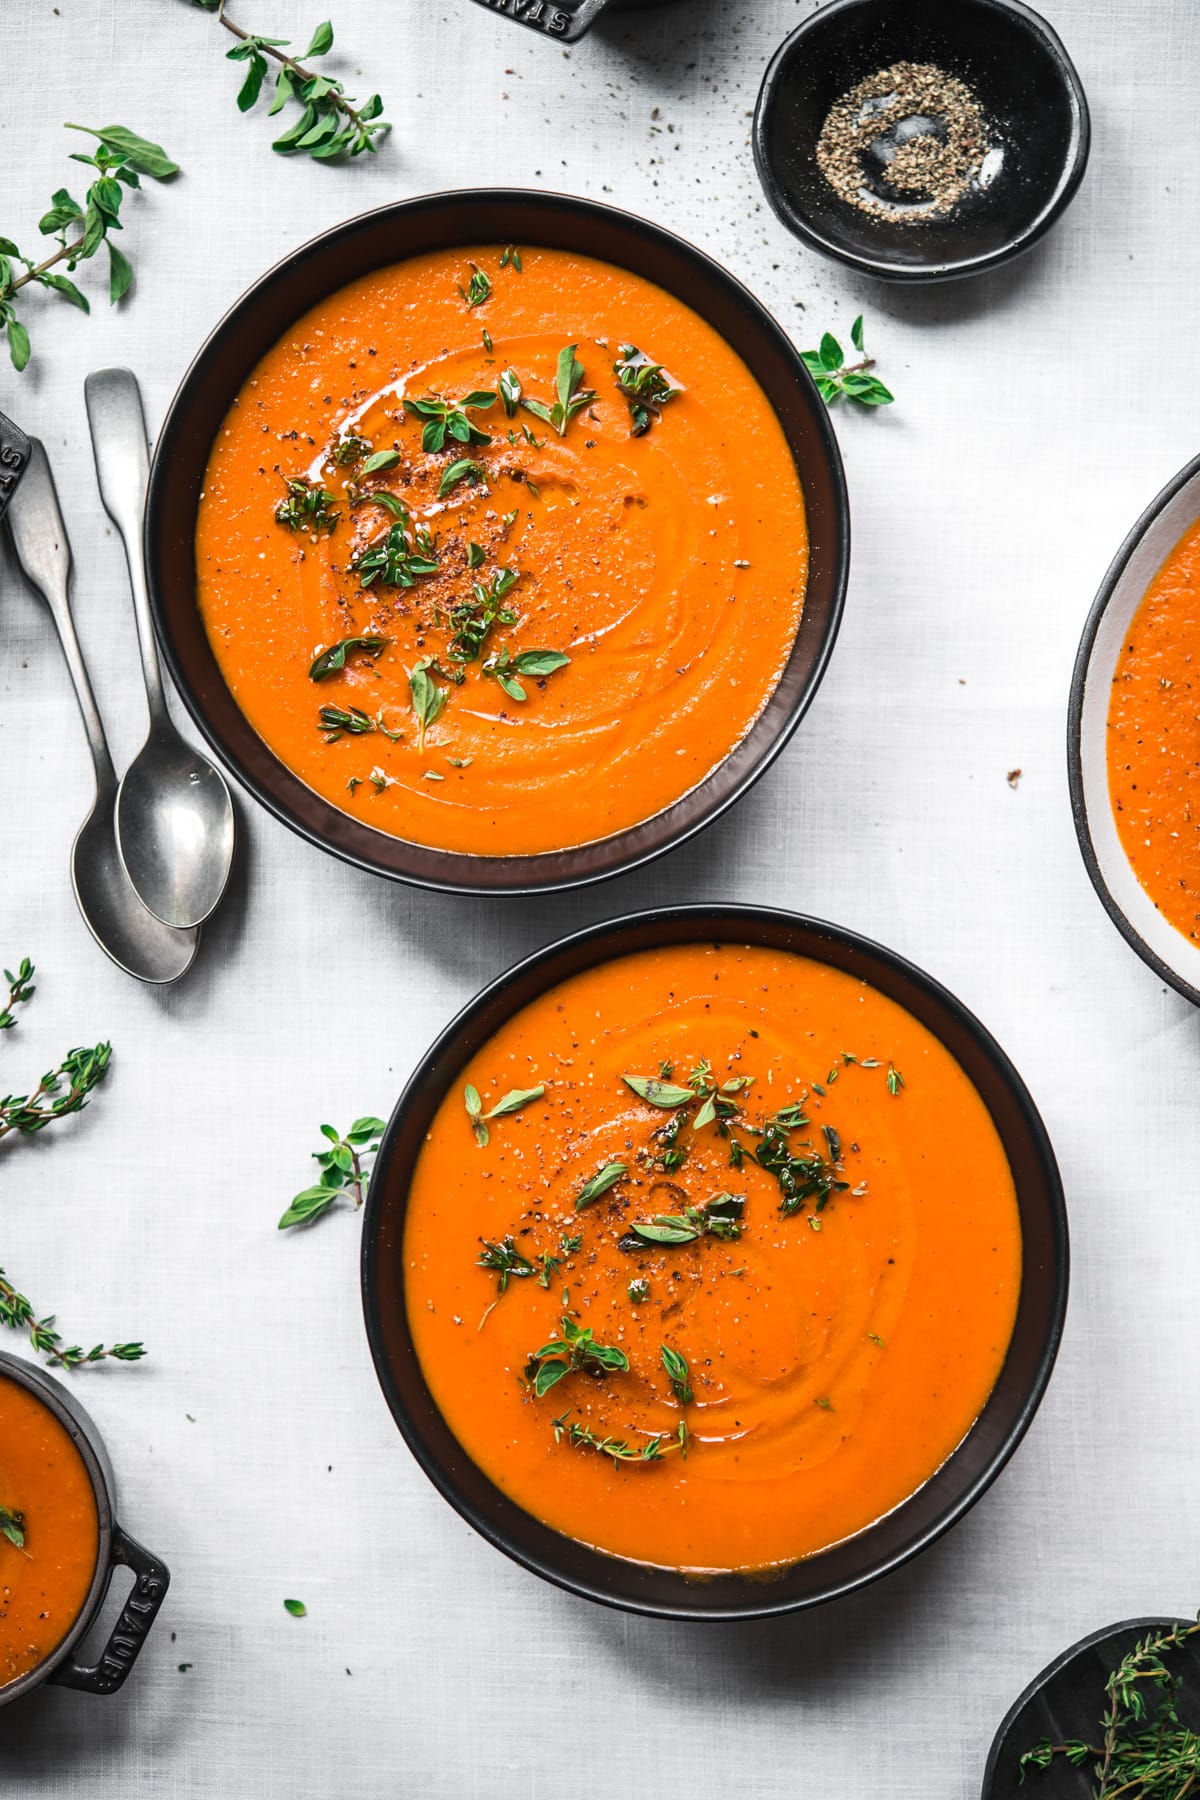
175	824
136	941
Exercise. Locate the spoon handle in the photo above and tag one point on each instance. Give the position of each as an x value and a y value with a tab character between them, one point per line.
39	537
118	428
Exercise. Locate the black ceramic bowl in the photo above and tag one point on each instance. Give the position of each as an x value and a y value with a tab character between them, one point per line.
1169	515
1067	1701
369	242
1031	97
117	1550
666	1593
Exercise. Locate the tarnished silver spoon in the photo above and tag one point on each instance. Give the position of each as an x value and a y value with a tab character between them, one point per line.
175	824
136	941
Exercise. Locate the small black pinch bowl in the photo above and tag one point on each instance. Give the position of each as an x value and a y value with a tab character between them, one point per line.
117	1549
1067	1700
372	241
911	1527
1032	101
1170	514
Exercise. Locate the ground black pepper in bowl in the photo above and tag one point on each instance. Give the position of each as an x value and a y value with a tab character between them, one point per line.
921	142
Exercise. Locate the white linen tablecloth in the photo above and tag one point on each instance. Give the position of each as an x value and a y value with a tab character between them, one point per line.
1037	411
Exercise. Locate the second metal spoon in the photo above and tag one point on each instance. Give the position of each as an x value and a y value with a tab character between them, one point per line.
175	825
136	941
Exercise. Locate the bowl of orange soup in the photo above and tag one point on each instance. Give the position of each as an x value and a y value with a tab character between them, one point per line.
497	540
60	1544
1133	736
715	1262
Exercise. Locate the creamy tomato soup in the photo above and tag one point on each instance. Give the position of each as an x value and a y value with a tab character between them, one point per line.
501	551
712	1257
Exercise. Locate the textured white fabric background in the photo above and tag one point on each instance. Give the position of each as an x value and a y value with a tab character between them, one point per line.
1037	412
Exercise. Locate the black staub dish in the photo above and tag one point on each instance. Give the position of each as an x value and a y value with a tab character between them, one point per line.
1167	951
117	1550
667	1593
1031	98
441	221
1067	1701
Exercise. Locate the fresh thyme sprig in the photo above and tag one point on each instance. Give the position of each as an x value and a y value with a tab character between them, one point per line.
17	1313
1146	1752
807	1176
571	396
836	379
478	289
344	1173
576	1349
621	1452
59	1093
120	161
330	123
12	1527
20	991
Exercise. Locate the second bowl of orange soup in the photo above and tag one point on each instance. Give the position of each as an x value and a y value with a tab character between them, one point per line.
715	1262
497	540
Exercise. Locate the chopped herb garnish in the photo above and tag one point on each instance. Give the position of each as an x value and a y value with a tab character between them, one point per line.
678	1375
571	396
638	1291
428	699
465	469
825	1402
575	1350
307	507
476	556
448	419
505	668
400	556
333	660
805	1176
657	1092
473	620
645	385
297	1608
350	450
511	1103
720	1217
504	1261
510	392
336	720
12	1527
477	290
510	254
895	1080
605	1178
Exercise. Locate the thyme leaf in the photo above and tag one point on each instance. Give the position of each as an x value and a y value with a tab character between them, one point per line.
12	1527
477	290
504	1261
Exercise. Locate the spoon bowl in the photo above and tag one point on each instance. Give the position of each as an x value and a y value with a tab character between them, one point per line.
175	823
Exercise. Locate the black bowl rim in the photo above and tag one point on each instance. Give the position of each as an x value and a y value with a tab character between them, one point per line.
1079	681
881	267
526	878
704	920
1153	1622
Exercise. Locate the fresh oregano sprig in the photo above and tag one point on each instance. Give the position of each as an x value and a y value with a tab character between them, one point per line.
344	1173
330	123
512	1102
575	1349
81	227
836	379
571	396
17	1313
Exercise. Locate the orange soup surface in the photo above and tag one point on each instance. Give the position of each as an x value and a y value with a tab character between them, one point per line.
48	1506
578	577
1154	739
789	1297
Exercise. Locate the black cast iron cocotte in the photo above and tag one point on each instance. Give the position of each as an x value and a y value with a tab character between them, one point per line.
117	1549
